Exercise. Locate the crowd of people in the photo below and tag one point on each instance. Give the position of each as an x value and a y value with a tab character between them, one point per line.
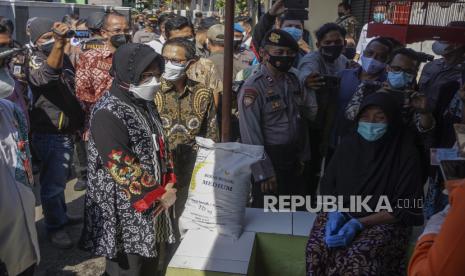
119	105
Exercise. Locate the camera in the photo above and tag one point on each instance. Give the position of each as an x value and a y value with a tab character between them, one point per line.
69	34
296	9
82	34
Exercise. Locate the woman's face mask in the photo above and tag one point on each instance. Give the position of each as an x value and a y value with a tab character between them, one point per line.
400	79
146	90
7	84
174	72
371	131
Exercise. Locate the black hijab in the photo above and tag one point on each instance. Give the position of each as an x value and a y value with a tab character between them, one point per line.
130	61
388	166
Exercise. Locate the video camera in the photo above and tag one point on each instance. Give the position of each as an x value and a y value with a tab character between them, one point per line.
77	34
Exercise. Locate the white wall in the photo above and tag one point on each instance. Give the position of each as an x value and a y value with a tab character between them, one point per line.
321	11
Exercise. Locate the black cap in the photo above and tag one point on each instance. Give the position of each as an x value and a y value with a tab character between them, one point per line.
280	38
40	26
95	21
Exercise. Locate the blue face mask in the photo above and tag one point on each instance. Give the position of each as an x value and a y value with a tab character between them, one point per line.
371	65
379	17
294	32
399	80
371	131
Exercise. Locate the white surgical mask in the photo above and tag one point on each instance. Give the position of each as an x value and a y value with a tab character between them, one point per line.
146	90
7	83
174	72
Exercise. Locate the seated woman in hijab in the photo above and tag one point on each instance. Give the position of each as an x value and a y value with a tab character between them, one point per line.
130	188
380	161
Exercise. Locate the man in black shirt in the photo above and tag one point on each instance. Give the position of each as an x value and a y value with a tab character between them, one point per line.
56	115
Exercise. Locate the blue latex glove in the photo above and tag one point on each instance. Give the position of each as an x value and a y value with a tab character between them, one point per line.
335	241
350	230
335	221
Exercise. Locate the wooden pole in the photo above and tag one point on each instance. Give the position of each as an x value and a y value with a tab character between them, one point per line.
228	71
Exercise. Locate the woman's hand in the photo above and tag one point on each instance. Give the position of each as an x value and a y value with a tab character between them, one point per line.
169	197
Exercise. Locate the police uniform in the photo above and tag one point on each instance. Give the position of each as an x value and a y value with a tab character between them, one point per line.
269	115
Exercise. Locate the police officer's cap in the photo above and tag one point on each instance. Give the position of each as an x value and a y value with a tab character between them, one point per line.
95	21
280	38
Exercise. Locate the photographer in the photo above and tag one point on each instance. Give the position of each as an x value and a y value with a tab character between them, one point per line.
318	75
56	115
276	17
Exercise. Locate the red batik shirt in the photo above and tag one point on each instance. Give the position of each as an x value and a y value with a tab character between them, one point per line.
93	77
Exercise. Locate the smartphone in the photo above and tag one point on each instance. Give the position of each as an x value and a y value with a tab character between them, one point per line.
82	34
331	81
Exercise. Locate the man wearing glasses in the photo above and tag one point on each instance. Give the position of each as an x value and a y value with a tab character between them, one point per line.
186	109
92	70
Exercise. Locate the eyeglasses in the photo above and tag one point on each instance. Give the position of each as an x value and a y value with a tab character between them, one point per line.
118	31
174	61
400	69
147	75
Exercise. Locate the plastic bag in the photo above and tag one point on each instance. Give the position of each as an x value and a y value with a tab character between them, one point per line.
220	186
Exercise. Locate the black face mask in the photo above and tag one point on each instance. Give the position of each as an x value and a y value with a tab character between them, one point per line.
120	39
47	48
340	14
237	44
350	53
331	53
282	63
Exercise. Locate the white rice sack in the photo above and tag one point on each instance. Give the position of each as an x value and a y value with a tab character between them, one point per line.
220	187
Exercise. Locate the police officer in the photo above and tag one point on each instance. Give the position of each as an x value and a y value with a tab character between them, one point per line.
269	103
